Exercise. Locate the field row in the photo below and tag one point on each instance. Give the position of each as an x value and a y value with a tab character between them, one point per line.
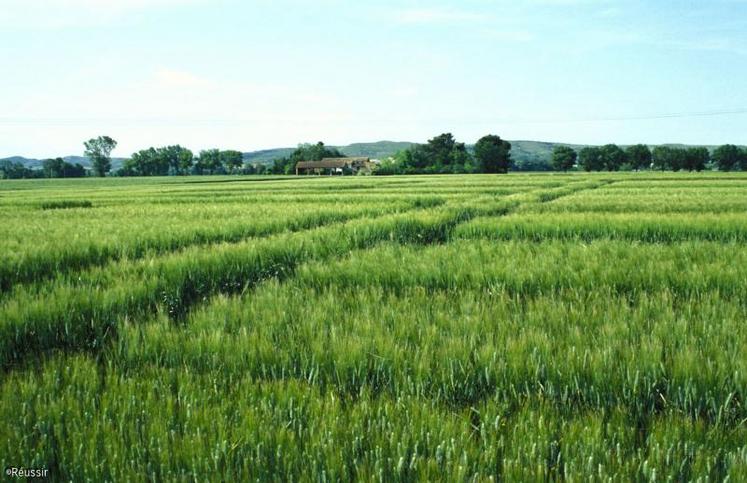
105	235
393	329
173	424
641	227
95	237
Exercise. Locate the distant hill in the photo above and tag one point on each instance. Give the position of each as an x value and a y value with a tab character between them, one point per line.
375	150
37	163
266	156
528	153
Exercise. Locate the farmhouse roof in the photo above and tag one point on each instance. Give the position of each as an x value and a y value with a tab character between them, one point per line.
332	163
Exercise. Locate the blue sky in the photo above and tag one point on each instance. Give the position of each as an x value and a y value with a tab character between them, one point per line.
258	74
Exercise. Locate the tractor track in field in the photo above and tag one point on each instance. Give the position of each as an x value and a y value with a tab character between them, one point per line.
88	322
63	268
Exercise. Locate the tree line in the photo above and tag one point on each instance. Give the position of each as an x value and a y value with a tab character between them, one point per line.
442	154
177	161
51	168
611	157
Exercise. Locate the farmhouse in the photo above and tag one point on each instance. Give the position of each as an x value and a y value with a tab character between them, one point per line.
334	166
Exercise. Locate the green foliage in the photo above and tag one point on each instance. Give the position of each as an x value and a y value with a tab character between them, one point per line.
232	160
696	159
440	155
98	150
675	159
665	157
638	156
612	157
590	158
15	170
304	152
158	162
59	168
493	155
563	158
209	162
729	157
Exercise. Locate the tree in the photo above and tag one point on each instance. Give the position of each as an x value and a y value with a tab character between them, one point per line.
613	157
639	156
59	168
443	151
664	157
677	159
492	154
175	159
563	158
53	168
695	159
209	160
590	158
98	150
185	160
231	159
727	157
149	162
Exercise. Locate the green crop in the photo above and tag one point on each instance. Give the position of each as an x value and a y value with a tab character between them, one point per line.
420	328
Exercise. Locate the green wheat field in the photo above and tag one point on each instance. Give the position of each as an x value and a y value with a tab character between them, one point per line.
439	328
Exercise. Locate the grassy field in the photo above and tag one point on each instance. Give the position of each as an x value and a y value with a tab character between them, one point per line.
442	328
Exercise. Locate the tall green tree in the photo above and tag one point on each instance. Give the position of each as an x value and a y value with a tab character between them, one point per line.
639	156
613	157
665	157
232	160
53	168
185	161
443	152
696	159
590	158
98	150
492	154
727	157
209	162
563	158
177	158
